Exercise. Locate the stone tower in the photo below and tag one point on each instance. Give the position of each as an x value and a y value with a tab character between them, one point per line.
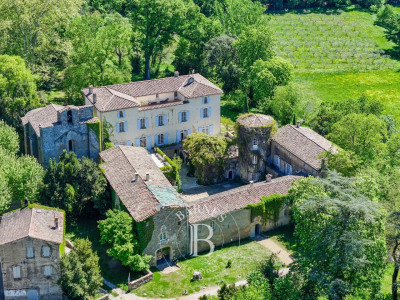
254	133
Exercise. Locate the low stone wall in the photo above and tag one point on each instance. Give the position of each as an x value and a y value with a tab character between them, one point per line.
142	280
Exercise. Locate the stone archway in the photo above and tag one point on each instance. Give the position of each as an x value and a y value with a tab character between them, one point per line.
163	256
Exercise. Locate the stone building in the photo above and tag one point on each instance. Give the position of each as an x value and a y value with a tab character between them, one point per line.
157	112
30	242
254	133
167	220
50	130
297	149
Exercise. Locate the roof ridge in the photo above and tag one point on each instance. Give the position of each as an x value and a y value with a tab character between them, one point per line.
292	126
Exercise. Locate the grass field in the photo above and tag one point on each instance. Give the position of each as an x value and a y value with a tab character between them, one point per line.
213	269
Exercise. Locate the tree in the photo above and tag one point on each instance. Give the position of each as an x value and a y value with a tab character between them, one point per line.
341	236
34	30
254	43
22	176
72	183
393	242
286	104
208	155
117	231
8	138
363	134
345	162
80	271
101	52
17	90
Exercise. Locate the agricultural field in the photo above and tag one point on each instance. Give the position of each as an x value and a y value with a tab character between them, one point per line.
339	54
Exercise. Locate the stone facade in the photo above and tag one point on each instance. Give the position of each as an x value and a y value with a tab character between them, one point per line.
51	130
35	282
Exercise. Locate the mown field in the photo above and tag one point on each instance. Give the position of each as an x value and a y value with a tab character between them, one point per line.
339	54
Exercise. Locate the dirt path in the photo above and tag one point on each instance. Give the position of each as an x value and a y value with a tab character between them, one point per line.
282	254
195	296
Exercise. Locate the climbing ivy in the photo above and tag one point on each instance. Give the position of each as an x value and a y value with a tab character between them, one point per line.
268	208
96	128
144	232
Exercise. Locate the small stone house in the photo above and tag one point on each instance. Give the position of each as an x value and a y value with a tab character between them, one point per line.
50	130
30	243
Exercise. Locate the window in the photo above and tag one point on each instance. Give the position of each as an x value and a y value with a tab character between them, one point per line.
213	225
70	146
254	159
142	123
175	94
255	142
179	223
121	114
47	271
143	142
160	139
254	177
205	112
205	130
17	272
30	253
163	236
160	120
184	116
205	100
121	127
184	134
46	251
277	161
288	169
69	116
157	96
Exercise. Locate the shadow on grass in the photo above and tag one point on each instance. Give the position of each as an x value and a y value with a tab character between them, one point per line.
111	269
285	236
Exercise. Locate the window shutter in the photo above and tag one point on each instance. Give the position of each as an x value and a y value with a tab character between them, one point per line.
187	115
178	136
200	129
117	127
202	100
202	113
189	131
209	111
124	113
166	138
117	114
180	117
156	120
156	139
128	143
147	122
138	123
29	252
165	119
137	142
17	272
126	126
47	271
149	143
210	129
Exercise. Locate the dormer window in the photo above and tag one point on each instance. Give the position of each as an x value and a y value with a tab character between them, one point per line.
157	96
175	94
69	116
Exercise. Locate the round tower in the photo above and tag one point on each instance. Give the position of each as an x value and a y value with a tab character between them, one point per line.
254	133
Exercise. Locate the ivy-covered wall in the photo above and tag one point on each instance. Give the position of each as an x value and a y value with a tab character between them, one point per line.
269	208
96	128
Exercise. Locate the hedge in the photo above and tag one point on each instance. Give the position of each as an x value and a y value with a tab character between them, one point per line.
171	174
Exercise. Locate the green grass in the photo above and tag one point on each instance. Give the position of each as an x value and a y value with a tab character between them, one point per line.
387	280
111	269
244	258
284	237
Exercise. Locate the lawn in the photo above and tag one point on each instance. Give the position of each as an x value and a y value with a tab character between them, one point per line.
284	237
112	270
244	258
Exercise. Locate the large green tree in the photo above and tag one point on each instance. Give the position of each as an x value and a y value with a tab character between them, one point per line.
101	52
341	236
72	184
363	134
80	271
393	242
208	155
8	138
117	231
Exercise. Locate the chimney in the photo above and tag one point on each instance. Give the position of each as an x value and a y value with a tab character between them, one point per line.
268	177
94	98
176	74
26	202
56	220
298	124
136	176
251	183
90	89
192	71
147	176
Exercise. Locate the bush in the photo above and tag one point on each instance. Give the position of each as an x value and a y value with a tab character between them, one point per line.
172	171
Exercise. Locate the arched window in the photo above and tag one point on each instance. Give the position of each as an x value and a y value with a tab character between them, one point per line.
70	146
69	116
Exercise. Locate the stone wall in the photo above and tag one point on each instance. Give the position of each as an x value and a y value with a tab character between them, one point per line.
172	222
298	165
32	270
142	280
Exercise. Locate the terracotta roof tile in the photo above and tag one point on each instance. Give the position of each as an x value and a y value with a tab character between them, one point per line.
37	223
121	96
255	120
43	116
304	143
238	198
